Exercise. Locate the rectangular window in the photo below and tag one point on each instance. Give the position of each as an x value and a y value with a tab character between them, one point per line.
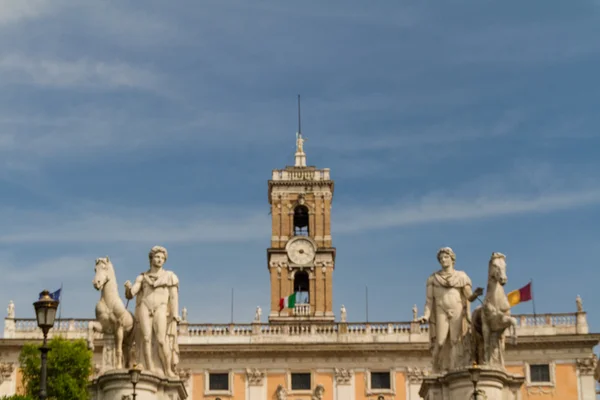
301	381
380	380
539	373
218	381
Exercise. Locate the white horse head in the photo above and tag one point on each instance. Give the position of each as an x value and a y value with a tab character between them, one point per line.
497	269
104	272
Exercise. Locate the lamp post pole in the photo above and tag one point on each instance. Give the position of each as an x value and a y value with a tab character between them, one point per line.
43	376
45	312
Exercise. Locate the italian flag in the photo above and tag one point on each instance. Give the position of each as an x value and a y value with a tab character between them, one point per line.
520	295
287	302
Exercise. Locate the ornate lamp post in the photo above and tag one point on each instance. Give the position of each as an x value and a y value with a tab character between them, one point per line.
45	313
475	372
134	373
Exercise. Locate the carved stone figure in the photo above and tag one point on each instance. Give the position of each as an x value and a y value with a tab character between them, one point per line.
6	370
343	314
318	392
448	311
300	143
184	314
281	393
111	315
157	315
415	311
579	304
343	376
10	311
255	377
491	320
257	314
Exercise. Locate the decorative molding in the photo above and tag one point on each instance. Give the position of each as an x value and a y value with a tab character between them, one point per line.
6	370
343	376
587	366
185	374
416	375
255	377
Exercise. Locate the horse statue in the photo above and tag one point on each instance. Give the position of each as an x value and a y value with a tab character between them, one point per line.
490	321
111	314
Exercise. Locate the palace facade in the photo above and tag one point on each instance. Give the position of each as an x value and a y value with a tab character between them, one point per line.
304	352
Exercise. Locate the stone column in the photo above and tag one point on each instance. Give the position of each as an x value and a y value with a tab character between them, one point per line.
344	384
585	375
256	386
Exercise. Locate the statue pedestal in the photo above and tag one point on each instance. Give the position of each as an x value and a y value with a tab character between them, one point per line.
116	385
457	385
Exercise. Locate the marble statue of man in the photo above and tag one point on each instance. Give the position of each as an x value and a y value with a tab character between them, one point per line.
156	313
257	314
448	311
11	309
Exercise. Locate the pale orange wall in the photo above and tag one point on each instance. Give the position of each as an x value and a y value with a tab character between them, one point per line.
565	385
273	380
400	386
327	381
359	384
198	380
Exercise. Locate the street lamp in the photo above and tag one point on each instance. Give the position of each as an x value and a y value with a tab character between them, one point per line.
45	312
134	373
475	374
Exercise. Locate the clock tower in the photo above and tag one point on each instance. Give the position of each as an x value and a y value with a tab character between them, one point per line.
301	258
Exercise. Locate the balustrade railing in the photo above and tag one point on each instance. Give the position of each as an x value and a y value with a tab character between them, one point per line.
302	310
392	331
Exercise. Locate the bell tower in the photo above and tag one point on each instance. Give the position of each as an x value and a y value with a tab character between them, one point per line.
301	258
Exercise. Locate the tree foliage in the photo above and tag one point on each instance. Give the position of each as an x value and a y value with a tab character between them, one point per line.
69	368
17	397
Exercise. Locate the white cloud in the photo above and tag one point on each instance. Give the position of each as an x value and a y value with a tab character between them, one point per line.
15	68
13	11
440	209
192	225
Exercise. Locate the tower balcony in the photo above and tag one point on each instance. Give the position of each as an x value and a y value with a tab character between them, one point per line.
302	310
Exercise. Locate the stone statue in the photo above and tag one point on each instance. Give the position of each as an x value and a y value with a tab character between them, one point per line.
112	317
257	314
281	393
415	311
157	315
577	300
300	143
11	309
318	392
343	314
490	321
448	311
184	314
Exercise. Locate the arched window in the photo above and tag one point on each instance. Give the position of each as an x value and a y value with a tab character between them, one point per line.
301	221
301	287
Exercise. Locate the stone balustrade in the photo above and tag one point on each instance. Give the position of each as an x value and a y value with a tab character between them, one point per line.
390	332
302	310
303	174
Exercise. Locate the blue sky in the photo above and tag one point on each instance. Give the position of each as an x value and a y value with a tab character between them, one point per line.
465	124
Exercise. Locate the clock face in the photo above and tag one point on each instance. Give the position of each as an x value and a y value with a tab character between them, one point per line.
301	251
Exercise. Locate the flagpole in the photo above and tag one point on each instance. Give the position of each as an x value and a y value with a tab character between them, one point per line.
533	301
60	303
232	305
367	302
